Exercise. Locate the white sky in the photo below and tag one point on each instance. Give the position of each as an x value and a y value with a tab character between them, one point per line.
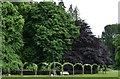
97	13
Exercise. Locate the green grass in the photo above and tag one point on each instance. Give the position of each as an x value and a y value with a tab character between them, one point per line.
108	75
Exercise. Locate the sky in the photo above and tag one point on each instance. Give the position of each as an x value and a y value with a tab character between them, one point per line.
97	13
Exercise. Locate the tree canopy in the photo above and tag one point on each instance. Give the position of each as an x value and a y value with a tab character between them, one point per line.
12	39
48	30
37	32
108	36
117	50
87	48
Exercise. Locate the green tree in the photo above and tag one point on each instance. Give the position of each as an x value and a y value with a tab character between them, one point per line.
28	52
48	31
70	11
108	36
74	12
117	51
61	4
12	40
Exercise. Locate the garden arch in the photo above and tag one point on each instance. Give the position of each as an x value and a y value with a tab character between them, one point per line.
101	66
87	67
21	65
82	67
51	66
95	68
35	66
67	63
43	68
46	65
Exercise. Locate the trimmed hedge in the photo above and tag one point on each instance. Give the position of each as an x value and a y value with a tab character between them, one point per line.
47	72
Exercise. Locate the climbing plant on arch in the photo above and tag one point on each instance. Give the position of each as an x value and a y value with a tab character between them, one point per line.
45	65
52	64
67	63
73	66
79	65
35	67
93	67
21	65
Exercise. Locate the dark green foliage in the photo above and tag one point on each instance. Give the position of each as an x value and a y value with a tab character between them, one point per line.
108	36
12	40
70	10
117	50
61	4
74	12
48	30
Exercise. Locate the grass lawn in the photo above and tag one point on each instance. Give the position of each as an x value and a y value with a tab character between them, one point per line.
108	75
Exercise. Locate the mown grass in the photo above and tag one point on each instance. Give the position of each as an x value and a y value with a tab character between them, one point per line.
108	75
